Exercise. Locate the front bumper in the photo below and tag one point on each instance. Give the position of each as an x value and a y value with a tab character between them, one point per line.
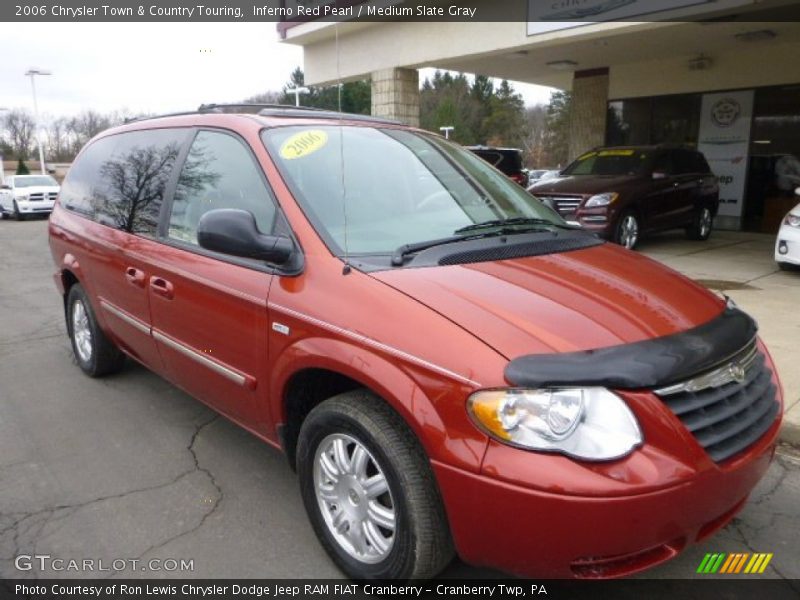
790	237
569	522
35	207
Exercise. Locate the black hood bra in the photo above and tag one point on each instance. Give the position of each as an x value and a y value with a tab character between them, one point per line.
650	363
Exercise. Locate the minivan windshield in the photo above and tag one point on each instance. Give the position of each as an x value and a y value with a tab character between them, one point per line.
33	181
394	187
614	162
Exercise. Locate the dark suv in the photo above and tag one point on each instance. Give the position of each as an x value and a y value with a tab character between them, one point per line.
622	192
506	160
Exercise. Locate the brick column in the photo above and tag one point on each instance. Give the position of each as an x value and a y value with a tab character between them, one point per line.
587	127
395	95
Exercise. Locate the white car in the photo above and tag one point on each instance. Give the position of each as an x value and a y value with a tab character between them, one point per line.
787	246
23	195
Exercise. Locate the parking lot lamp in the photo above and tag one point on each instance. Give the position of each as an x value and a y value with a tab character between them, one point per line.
32	73
297	91
447	129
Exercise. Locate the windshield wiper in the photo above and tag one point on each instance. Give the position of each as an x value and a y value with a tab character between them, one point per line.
510	222
403	251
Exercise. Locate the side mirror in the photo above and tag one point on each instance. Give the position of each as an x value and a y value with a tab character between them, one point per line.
659	175
233	231
5	186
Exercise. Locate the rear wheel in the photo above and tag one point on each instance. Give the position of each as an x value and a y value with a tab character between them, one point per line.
702	223
627	231
369	490
95	354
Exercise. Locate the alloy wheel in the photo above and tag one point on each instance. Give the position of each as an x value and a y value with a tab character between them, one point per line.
354	498
629	231
81	331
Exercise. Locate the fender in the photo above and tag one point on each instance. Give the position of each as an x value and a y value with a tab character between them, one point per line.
71	264
423	402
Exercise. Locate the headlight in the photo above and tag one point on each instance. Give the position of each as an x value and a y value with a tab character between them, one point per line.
792	220
22	197
601	200
587	423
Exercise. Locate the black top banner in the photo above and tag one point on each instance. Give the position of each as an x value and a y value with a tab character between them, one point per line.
292	12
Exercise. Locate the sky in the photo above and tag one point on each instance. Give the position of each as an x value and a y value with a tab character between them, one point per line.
153	68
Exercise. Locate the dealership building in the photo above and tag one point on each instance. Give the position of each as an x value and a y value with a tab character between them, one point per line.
725	79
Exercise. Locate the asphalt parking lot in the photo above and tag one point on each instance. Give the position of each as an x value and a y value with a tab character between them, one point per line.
129	467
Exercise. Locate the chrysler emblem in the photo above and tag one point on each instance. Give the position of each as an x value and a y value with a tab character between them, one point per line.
736	372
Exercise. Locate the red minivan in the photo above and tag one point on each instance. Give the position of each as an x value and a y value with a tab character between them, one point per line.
450	366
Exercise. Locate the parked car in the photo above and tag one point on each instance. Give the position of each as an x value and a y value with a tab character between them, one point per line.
622	193
537	175
450	367
787	246
23	195
506	160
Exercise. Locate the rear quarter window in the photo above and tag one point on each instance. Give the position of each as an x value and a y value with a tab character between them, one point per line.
120	180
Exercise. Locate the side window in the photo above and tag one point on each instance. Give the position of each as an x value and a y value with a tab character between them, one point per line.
685	163
700	163
219	172
84	177
120	180
664	164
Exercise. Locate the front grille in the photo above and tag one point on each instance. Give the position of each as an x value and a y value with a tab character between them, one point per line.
726	416
563	205
36	197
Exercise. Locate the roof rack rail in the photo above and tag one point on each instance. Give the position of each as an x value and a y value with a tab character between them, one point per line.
271	110
289	111
247	107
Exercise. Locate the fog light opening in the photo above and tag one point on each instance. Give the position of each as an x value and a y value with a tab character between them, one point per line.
783	247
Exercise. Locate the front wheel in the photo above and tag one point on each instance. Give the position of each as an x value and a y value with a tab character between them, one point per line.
369	490
701	225
18	216
627	231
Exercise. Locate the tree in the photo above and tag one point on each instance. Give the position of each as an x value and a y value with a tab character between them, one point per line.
352	96
506	119
533	137
21	130
557	138
22	168
448	100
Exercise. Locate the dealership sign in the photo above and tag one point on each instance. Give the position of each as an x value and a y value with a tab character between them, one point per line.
725	140
553	15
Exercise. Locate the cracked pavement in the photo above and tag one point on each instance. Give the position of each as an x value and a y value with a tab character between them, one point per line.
129	467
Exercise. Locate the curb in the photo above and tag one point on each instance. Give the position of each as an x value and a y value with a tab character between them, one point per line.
790	432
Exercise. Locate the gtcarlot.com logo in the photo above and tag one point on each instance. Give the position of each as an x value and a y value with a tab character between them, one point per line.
735	563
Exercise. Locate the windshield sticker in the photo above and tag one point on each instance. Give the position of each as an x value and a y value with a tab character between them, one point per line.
304	143
616	153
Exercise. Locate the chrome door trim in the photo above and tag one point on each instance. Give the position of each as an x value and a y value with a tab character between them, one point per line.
129	319
204	360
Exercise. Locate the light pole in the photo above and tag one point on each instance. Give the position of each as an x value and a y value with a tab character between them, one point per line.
2	164
32	73
447	129
297	91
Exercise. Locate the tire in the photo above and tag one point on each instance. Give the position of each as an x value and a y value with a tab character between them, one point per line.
95	354
626	233
18	216
420	545
701	226
783	266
